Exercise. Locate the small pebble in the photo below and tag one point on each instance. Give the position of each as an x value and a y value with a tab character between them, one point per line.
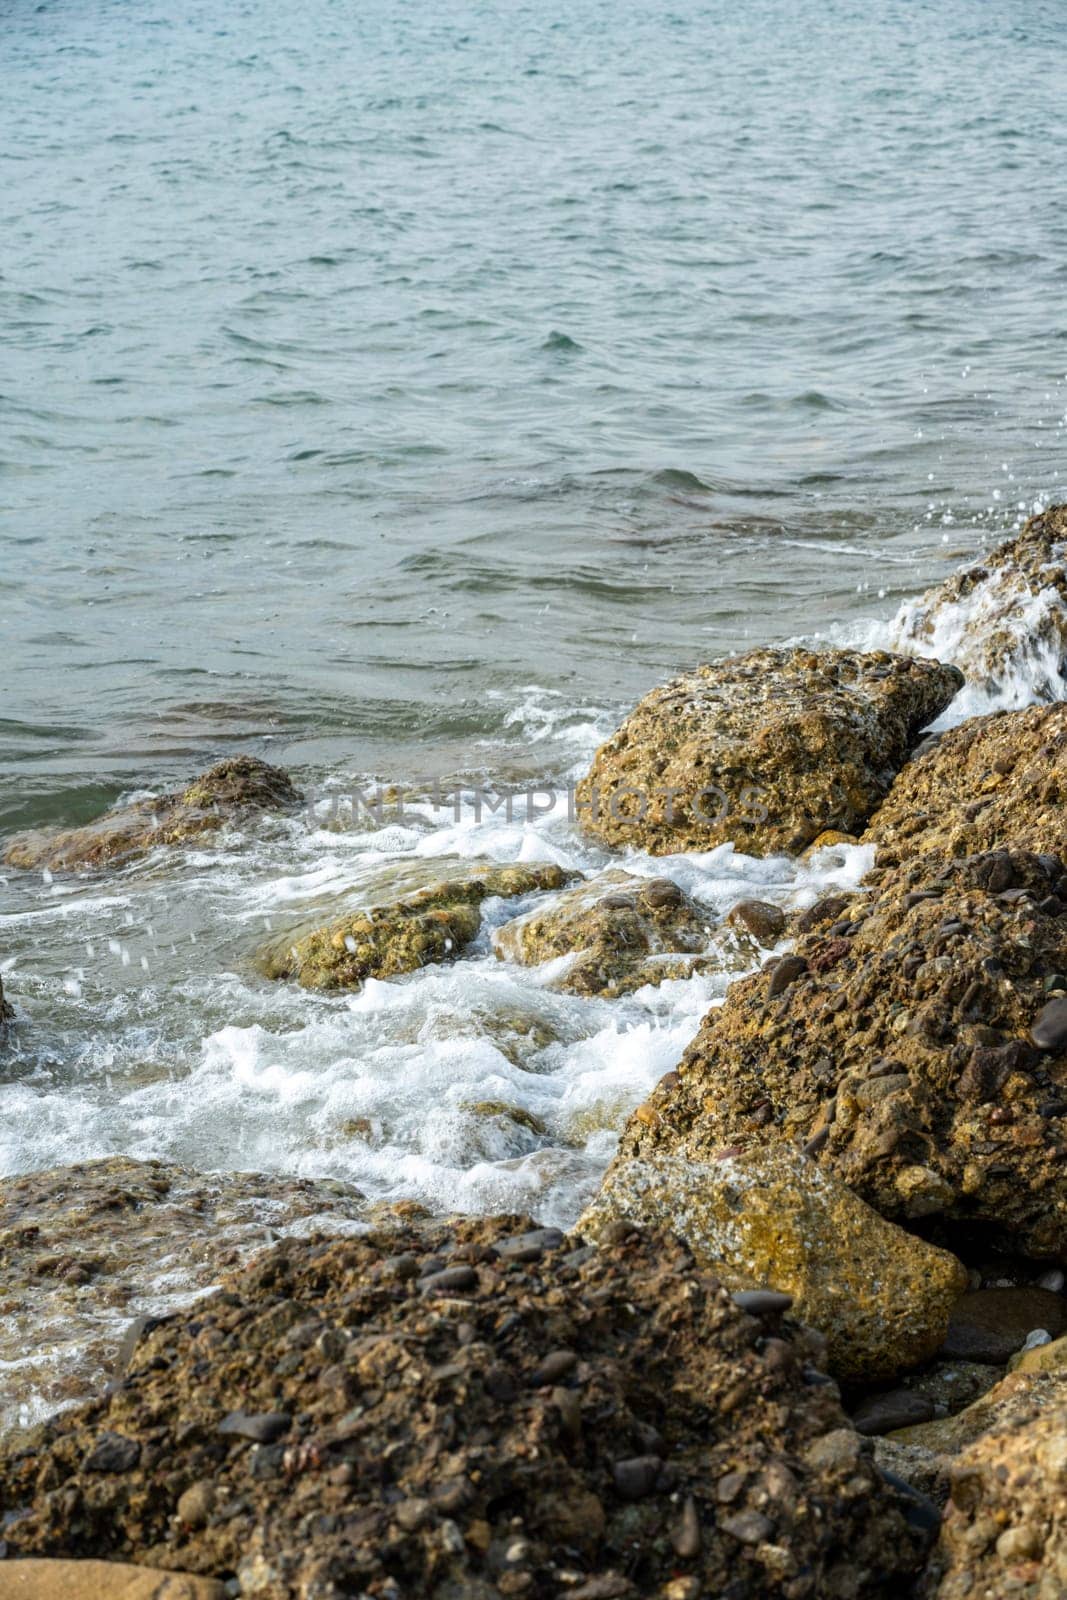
261	1427
529	1246
451	1281
556	1365
636	1477
1049	1029
762	1302
897	1408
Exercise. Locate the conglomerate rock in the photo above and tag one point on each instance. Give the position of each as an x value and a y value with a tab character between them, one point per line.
996	780
766	750
85	1249
917	1048
232	791
623	932
1005	615
436	923
474	1410
772	1219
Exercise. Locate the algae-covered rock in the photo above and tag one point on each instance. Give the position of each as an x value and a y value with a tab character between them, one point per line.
233	790
994	781
880	1297
766	750
473	1409
1006	616
623	932
433	924
85	1249
896	1044
1005	1526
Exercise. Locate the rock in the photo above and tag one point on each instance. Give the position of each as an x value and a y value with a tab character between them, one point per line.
197	1503
765	921
421	1475
772	1218
622	931
434	924
262	1427
1009	1404
88	1253
1049	1031
1006	616
112	1452
995	782
896	1408
992	1324
232	792
1004	1530
101	1580
1050	1357
900	1056
6	1011
765	750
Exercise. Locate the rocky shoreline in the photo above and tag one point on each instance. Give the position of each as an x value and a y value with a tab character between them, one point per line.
810	1339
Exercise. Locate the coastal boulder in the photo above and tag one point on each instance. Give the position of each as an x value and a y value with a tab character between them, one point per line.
772	1219
233	791
766	751
1005	618
622	932
435	923
994	781
478	1408
917	1048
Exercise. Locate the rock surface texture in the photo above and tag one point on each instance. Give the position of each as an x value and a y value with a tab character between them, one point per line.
766	750
434	924
232	791
880	1297
1007	614
101	1580
996	780
898	1045
473	1411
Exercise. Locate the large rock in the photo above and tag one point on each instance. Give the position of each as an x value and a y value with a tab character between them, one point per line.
898	1045
473	1410
772	1219
232	791
623	932
766	750
86	1251
101	1580
994	781
1004	618
436	923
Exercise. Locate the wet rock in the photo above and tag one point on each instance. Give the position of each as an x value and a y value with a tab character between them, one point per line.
43	1579
1004	1530
1009	1404
622	931
901	1057
995	782
234	791
765	750
1049	1031
434	924
992	1324
415	1475
6	1011
771	1219
1051	1357
112	1452
765	921
897	1408
1005	615
94	1257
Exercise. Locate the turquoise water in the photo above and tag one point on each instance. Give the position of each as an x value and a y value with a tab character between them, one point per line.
364	367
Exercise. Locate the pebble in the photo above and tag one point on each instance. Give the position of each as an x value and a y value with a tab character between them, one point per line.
197	1503
636	1477
1054	1280
764	921
661	892
786	972
450	1281
529	1246
113	1453
262	1427
896	1408
556	1365
762	1302
748	1527
1049	1030
685	1534
992	1324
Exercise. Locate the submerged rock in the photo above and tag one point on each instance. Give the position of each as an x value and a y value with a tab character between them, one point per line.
766	750
233	790
896	1046
434	924
623	932
1005	616
772	1218
994	781
462	1418
88	1251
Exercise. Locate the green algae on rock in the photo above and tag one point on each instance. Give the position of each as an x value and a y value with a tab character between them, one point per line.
235	789
999	780
623	932
766	750
475	1409
1007	613
896	1046
879	1296
434	924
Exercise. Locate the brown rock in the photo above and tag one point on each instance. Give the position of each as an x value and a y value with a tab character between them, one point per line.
765	750
991	1325
765	921
39	1579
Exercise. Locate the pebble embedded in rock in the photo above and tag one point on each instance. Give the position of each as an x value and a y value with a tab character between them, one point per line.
451	1281
113	1453
262	1427
529	1246
992	1324
897	1408
761	918
762	1302
197	1503
1049	1030
637	1477
786	973
556	1365
685	1533
748	1527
